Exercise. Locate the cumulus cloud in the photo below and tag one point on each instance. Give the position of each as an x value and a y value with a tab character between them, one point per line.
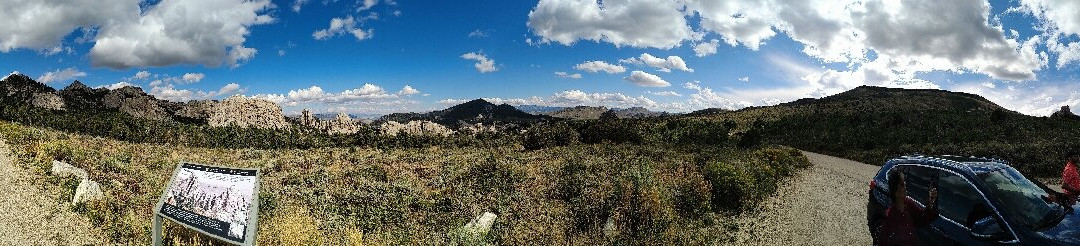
229	89
42	24
566	75
1060	19
298	4
912	36
191	77
117	85
705	97
706	48
171	93
60	75
345	25
1035	99
142	75
665	93
206	32
597	66
570	98
646	79
368	93
408	90
636	23
483	64
661	64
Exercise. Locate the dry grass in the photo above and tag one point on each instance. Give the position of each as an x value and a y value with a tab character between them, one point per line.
353	196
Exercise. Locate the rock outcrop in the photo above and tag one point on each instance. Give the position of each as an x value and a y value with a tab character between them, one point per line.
416	127
47	100
197	110
341	124
135	102
580	113
246	112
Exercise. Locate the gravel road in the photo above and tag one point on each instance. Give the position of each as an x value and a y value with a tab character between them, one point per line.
32	215
822	205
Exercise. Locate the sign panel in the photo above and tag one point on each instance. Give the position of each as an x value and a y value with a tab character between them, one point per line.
217	201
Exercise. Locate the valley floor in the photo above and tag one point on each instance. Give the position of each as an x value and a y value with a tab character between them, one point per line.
32	215
822	205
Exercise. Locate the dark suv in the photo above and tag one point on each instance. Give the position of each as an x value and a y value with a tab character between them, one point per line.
981	201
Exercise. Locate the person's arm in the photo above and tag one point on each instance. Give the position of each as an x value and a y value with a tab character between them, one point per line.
925	216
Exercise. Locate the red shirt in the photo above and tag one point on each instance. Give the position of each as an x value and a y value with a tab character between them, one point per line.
1070	180
898	228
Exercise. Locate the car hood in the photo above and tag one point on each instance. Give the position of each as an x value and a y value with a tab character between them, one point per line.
1067	232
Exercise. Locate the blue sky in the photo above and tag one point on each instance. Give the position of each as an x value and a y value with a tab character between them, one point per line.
358	56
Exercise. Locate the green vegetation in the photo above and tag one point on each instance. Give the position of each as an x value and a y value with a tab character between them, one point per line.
657	184
872	125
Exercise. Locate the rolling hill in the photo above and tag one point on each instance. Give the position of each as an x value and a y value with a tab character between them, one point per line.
872	124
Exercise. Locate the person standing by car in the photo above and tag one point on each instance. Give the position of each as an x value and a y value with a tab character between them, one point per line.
1070	178
904	214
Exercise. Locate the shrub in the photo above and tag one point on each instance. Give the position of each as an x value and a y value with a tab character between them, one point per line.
546	136
732	187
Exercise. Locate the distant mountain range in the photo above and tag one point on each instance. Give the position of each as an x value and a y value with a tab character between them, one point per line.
538	109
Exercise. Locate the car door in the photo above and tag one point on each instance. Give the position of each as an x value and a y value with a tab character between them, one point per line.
957	200
919	179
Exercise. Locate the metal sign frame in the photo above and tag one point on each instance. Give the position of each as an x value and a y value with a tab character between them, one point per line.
251	231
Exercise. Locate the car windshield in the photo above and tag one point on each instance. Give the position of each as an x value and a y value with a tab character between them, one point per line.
1020	197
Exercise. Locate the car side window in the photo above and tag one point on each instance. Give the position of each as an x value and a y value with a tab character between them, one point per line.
957	198
918	181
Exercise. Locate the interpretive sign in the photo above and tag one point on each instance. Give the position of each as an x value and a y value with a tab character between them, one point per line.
220	202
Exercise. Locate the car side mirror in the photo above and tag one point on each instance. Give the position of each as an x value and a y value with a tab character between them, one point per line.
987	228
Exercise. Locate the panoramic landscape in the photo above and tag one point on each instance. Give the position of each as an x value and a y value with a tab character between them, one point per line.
550	122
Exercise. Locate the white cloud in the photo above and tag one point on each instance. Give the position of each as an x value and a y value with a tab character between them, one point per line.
665	93
1036	99
645	79
706	48
478	34
60	75
738	22
142	74
192	77
345	25
641	23
661	64
171	93
315	94
297	4
597	66
1060	20
705	97
483	64
744	79
566	75
408	90
41	25
912	36
118	85
571	98
229	89
206	32
366	5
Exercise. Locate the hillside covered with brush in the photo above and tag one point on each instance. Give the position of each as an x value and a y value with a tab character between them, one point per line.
872	124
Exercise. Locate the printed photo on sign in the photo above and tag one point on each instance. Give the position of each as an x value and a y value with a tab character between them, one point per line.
217	196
